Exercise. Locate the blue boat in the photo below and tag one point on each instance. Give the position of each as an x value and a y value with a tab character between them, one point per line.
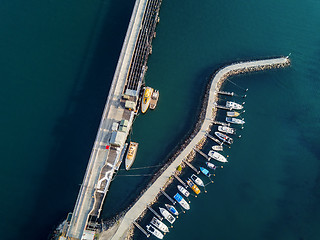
205	171
181	201
172	209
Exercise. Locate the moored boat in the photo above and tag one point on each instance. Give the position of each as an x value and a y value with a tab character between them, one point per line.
193	186
217	156
167	215
211	165
235	120
225	138
233	105
181	201
172	209
197	180
131	154
233	114
158	224
146	99
205	171
154	99
155	232
183	190
217	148
226	129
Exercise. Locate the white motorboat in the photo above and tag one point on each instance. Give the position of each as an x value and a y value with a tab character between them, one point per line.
233	105
211	165
167	215
183	190
197	180
217	148
225	138
155	232
172	209
235	120
226	129
181	201
158	224
217	156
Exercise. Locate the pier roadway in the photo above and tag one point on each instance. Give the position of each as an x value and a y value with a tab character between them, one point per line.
102	160
122	229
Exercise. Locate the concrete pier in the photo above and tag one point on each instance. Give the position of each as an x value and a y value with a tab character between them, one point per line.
110	140
149	195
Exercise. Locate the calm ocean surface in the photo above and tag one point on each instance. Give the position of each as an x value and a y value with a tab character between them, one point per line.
57	62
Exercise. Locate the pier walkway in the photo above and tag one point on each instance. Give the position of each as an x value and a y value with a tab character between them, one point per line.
149	195
105	155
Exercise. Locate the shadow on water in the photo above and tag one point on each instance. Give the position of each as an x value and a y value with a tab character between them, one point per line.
76	129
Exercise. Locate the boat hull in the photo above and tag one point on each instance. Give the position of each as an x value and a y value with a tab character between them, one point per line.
193	186
184	191
146	99
131	154
197	180
217	156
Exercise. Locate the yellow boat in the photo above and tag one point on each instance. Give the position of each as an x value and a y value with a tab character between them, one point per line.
146	99
131	154
233	114
193	187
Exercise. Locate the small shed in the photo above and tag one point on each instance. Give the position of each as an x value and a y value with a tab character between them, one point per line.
130	105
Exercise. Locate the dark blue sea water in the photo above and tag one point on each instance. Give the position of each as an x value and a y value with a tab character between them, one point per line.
57	62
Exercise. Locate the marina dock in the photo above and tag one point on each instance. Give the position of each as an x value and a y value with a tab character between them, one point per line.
152	192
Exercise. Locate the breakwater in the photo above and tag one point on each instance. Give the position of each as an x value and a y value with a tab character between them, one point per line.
197	139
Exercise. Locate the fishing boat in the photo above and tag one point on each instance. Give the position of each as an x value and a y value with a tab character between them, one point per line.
233	114
227	130
217	147
155	232
154	99
234	120
172	209
167	215
197	180
193	186
205	171
211	165
146	99
225	138
217	156
233	105
181	201
183	190
158	224
131	154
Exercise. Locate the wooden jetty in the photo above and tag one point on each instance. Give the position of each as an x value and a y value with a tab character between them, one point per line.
202	153
192	167
223	107
169	198
141	229
226	93
180	180
214	139
154	212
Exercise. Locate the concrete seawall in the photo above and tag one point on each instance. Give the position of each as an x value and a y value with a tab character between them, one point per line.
121	230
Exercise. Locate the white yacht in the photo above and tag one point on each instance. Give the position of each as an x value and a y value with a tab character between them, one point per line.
155	232
233	105
160	225
226	129
217	156
167	215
